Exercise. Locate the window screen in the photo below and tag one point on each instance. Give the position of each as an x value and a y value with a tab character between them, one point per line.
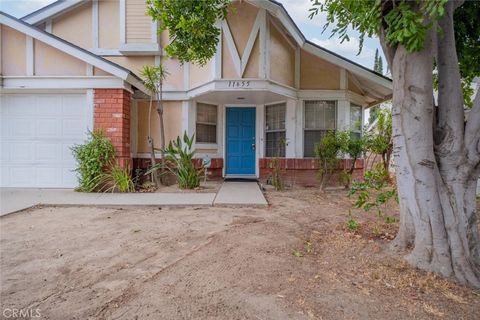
356	120
275	130
320	117
206	123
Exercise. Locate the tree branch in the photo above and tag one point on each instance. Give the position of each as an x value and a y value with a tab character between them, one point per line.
472	131
450	97
387	50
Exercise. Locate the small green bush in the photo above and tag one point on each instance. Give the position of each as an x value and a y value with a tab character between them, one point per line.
117	179
93	157
375	180
351	223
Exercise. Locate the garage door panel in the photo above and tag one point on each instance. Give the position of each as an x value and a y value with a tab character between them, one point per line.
72	107
21	128
49	176
21	176
69	177
66	152
49	105
48	128
48	152
21	152
71	127
38	132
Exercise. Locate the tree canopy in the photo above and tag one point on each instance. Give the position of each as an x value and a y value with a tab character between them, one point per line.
191	26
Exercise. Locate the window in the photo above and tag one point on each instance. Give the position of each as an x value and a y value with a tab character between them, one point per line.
206	123
356	120
320	117
275	130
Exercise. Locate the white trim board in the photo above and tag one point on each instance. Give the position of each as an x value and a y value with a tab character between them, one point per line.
59	82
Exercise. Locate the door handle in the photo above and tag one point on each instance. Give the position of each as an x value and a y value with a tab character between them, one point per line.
253	146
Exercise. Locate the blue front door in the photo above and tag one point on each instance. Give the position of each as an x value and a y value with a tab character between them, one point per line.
240	141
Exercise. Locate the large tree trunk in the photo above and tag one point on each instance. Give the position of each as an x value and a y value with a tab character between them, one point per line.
437	204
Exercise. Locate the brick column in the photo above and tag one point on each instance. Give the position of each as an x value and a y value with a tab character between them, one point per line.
112	116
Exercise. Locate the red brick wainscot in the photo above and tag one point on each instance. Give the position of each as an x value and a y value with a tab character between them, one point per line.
213	173
304	172
112	116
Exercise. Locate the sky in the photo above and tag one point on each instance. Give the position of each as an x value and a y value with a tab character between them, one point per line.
298	10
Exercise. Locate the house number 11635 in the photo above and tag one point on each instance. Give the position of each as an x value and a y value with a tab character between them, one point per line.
238	84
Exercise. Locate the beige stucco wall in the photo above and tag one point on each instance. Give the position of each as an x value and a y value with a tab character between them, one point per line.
282	58
13	62
75	26
108	24
240	20
52	62
172	113
316	73
253	64
133	63
174	79
200	75
228	68
138	24
164	40
100	72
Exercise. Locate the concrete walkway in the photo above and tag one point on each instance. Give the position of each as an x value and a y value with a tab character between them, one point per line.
230	193
15	199
242	193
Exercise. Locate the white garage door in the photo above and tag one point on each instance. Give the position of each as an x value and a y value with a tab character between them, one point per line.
37	131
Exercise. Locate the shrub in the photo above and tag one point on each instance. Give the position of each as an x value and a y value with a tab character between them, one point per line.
375	180
351	223
277	170
179	155
117	179
93	157
327	151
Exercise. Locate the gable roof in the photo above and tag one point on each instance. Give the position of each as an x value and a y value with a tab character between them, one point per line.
276	9
73	50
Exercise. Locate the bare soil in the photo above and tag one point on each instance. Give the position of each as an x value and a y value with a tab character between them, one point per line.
292	260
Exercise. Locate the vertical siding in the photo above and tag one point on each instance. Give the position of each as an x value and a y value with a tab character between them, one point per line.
138	24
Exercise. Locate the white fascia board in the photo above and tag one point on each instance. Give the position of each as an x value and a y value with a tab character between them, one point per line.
137	83
347	65
62	82
53	11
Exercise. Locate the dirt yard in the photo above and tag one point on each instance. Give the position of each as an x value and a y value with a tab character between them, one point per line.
292	260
